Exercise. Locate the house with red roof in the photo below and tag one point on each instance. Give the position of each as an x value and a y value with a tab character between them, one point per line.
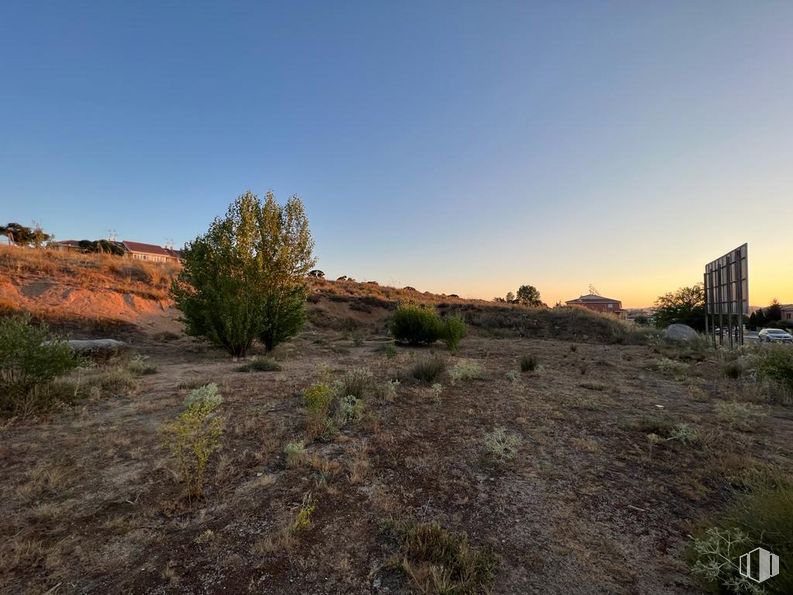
598	303
150	252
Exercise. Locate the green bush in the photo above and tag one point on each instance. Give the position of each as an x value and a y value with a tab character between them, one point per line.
452	331
29	363
245	277
416	325
776	364
762	517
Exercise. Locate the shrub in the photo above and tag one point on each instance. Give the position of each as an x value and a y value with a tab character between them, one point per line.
776	364
501	446
29	363
528	363
416	325
318	398
733	369
350	409
356	382
204	394
295	453
260	364
390	351
390	389
452	331
762	517
429	369
245	277
438	561
193	437
465	370
684	433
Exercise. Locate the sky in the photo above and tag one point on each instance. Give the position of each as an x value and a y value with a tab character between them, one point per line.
454	146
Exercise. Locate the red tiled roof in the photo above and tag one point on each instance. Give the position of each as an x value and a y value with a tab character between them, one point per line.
146	248
592	299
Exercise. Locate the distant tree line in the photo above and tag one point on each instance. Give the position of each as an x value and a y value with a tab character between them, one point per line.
527	295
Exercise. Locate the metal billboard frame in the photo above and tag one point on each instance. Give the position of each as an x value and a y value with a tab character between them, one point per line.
727	295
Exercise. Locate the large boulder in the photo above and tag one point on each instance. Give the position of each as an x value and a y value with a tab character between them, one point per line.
98	348
680	332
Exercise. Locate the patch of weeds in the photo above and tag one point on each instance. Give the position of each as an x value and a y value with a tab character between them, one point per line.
295	453
429	369
528	363
140	366
260	364
435	392
670	367
501	446
598	386
512	376
116	379
318	398
390	351
193	437
302	520
436	560
466	370
685	433
661	425
739	416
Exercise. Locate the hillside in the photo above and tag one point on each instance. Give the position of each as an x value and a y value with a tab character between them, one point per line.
95	294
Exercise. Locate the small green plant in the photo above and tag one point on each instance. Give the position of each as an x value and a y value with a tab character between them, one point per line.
465	370
390	351
512	376
453	330
436	390
350	410
204	394
390	389
501	445
528	363
416	324
302	520
716	552
260	364
685	433
29	363
318	398
295	453
428	369
439	561
193	437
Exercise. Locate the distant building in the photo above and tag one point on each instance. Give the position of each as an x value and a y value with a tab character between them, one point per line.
66	245
598	303
787	312
150	252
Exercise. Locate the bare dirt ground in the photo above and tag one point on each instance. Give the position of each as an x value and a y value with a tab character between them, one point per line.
90	503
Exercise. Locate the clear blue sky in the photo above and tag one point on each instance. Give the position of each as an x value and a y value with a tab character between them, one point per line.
455	146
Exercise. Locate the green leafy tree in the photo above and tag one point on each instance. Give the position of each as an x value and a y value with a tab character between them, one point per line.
245	277
774	312
528	295
760	318
510	297
684	306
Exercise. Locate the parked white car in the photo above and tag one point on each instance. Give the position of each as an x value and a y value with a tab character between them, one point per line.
774	335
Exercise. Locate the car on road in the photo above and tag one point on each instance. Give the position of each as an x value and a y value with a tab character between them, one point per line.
774	335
